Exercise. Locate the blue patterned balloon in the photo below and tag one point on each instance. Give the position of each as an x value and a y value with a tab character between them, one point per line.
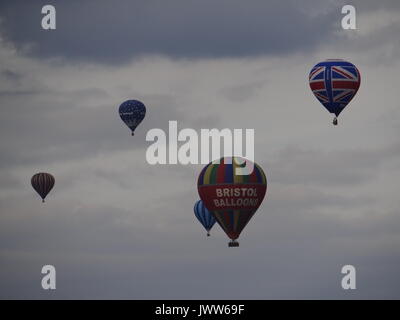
132	112
205	217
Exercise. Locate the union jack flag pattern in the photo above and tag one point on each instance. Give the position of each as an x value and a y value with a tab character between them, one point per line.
334	83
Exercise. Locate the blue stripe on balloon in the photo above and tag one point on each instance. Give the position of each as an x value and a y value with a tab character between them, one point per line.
229	173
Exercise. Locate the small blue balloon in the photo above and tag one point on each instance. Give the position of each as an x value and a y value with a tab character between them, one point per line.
205	216
132	112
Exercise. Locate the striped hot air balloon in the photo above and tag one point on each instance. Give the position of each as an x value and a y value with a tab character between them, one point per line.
205	217
42	182
232	197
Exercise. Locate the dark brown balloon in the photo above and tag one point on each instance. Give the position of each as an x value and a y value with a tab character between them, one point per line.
42	182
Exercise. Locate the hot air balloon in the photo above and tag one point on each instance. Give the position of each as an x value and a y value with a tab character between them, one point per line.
132	112
42	182
232	197
334	83
205	217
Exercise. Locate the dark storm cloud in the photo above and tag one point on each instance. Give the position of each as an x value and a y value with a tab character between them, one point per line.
115	31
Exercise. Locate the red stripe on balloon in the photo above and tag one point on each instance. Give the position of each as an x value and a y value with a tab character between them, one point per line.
345	85
317	85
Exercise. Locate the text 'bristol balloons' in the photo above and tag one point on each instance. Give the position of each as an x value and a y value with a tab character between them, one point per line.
132	112
334	83
205	217
42	183
232	198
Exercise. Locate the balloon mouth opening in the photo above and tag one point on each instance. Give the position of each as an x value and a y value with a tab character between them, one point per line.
233	243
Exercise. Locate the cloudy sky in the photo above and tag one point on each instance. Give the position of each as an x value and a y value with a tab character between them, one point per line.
116	227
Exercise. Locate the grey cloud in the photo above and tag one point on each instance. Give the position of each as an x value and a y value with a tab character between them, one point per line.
242	92
146	262
8	180
58	125
316	168
11	75
371	5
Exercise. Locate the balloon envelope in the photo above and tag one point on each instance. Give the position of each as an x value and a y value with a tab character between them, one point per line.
231	197
334	83
205	217
132	112
42	182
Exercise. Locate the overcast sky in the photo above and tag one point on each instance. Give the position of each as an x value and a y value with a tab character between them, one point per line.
116	227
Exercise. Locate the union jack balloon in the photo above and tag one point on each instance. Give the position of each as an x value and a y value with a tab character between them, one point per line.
334	83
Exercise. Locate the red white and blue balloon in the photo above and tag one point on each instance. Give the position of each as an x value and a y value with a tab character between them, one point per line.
334	83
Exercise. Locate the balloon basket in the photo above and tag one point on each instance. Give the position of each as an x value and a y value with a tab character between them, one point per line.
233	243
335	121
